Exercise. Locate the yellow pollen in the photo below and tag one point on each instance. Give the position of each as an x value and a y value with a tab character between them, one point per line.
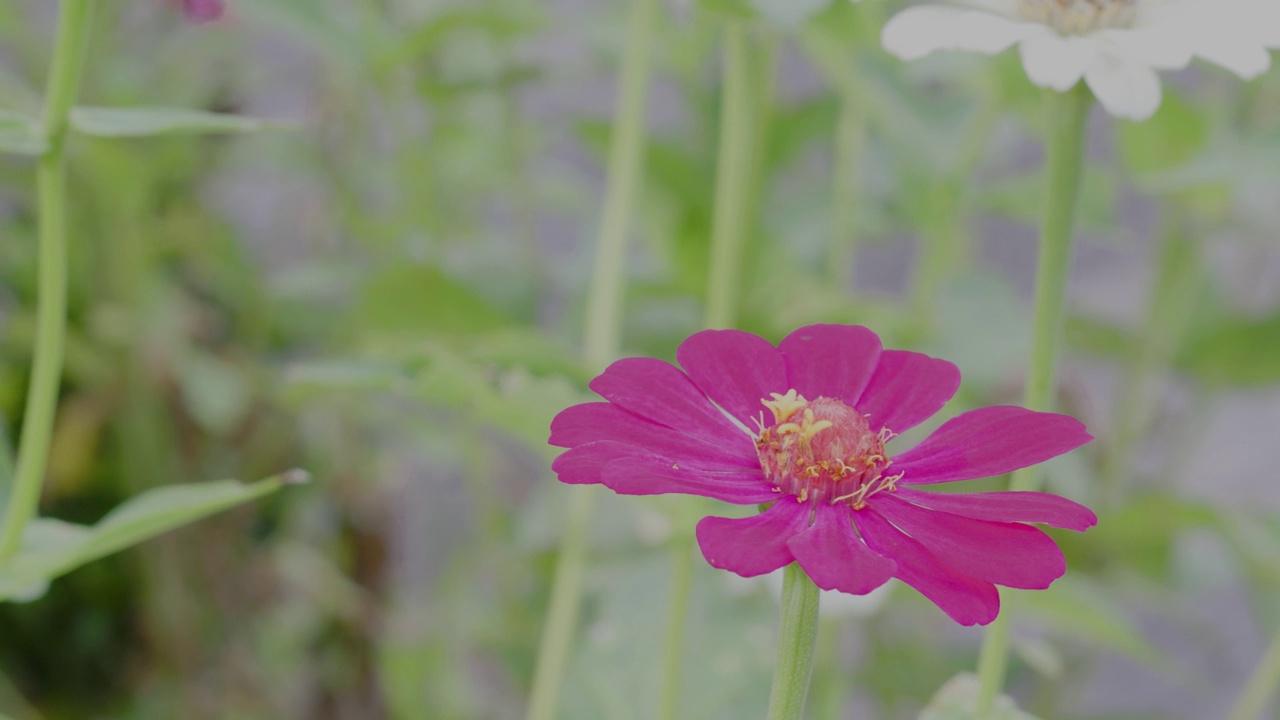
784	406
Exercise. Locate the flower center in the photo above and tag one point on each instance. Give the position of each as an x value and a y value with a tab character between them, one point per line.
1079	17
823	451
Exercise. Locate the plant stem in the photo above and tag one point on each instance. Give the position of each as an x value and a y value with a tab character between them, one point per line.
1066	114
1174	296
733	180
797	636
851	136
600	345
682	558
1261	686
69	51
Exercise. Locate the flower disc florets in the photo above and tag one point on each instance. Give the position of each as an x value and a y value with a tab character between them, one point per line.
822	451
1079	17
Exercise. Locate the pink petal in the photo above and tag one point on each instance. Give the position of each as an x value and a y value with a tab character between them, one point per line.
659	392
1010	554
907	389
834	361
967	600
631	470
1033	507
735	369
833	555
594	422
753	545
989	441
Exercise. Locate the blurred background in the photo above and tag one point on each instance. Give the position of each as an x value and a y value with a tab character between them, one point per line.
390	294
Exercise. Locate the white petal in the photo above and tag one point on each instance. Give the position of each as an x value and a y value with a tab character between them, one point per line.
1057	61
1242	55
1159	47
919	31
1125	87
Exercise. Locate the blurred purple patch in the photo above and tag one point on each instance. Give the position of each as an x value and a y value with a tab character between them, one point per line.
202	10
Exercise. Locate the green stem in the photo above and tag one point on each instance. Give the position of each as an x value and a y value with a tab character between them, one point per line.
682	558
1066	114
1174	295
1261	686
851	135
796	639
600	345
69	51
733	181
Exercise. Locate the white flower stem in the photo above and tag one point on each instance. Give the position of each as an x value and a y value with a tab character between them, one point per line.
797	636
69	50
1064	164
601	342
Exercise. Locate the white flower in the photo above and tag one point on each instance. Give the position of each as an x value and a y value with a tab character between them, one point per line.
1116	46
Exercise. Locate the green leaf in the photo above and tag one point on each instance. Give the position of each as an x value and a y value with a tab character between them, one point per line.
790	14
728	9
1079	609
51	548
20	134
147	121
1176	134
957	700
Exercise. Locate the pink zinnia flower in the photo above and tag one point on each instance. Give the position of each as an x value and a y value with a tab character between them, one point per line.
804	426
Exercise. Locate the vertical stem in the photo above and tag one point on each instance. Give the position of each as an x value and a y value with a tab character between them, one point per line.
682	557
603	328
69	51
851	133
733	181
797	636
737	179
1064	163
1261	686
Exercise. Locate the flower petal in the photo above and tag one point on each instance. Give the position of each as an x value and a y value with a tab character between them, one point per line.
1057	61
907	389
834	361
1154	46
1010	554
632	470
922	30
1016	506
833	555
594	422
659	392
989	441
735	369
1125	87
967	600
753	545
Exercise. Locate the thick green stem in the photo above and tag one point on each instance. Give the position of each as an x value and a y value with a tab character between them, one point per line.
600	345
797	635
69	52
1261	686
733	181
1064	165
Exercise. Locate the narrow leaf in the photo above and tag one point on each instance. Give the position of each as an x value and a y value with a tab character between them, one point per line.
147	121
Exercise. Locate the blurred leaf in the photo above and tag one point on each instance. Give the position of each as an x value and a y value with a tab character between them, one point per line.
958	698
20	134
147	121
1172	137
790	14
51	548
1077	608
1021	198
427	37
1235	352
214	391
421	302
728	9
6	465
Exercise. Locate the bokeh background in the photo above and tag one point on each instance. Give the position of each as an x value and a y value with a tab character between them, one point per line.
389	293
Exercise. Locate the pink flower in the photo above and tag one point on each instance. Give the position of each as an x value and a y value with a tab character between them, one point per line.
202	10
804	426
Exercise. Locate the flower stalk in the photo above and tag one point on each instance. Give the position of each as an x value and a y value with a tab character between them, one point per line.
69	50
797	637
600	345
1065	115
